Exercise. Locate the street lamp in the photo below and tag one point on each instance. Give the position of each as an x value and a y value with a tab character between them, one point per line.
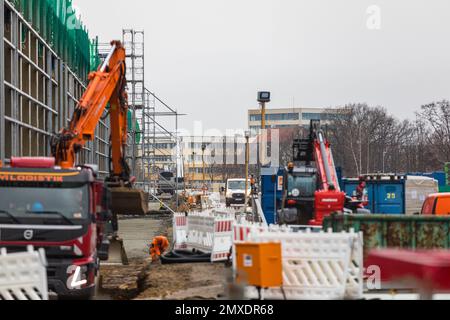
263	98
247	160
203	167
193	170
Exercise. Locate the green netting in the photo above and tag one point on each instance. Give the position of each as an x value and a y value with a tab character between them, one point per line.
57	23
95	59
138	127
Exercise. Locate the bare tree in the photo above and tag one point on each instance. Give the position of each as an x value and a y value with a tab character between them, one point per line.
369	140
436	117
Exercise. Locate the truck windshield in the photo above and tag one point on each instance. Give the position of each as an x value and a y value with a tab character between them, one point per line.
73	203
237	185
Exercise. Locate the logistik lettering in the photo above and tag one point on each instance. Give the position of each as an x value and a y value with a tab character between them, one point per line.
29	178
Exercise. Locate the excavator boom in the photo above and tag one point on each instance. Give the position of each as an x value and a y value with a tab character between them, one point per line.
106	91
329	198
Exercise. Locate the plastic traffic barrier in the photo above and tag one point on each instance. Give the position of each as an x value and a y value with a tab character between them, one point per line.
223	238
23	276
316	266
200	232
180	231
207	232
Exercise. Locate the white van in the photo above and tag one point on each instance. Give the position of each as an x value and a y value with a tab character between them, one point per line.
235	192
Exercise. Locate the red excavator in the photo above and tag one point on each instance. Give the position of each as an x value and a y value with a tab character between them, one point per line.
64	207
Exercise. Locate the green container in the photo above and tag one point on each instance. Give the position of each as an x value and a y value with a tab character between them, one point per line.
395	231
444	189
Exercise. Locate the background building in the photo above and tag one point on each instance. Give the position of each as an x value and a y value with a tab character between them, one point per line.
224	158
286	117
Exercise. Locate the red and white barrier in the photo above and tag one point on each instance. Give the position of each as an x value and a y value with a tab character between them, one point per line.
223	238
180	231
200	232
243	229
206	232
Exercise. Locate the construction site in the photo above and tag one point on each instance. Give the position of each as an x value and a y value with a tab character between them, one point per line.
103	196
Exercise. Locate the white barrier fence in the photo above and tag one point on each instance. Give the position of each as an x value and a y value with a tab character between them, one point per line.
23	276
208	232
223	238
200	235
316	266
180	231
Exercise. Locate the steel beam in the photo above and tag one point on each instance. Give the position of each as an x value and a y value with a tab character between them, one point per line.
2	81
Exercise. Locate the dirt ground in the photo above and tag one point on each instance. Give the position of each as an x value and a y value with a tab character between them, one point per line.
125	282
184	282
144	280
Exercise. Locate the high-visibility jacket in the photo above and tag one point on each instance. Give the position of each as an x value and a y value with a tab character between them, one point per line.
159	246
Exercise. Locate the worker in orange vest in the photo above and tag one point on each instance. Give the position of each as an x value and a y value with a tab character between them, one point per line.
253	184
159	246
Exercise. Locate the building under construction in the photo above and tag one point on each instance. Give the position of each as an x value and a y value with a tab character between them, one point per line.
46	57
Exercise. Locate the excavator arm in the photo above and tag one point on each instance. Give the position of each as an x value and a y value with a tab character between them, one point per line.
106	91
325	163
107	87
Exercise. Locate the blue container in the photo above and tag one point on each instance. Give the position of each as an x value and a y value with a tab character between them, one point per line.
385	196
339	176
272	188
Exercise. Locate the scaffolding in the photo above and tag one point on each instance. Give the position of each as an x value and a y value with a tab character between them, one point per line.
42	77
146	130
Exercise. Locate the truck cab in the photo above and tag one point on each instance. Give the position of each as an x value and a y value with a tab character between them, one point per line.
300	185
235	192
437	205
62	211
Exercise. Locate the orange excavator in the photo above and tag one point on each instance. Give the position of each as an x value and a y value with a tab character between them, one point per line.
107	87
106	92
63	206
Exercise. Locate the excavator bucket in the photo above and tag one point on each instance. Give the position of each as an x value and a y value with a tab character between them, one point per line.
129	201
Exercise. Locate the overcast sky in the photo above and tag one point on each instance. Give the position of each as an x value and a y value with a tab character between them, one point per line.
208	58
